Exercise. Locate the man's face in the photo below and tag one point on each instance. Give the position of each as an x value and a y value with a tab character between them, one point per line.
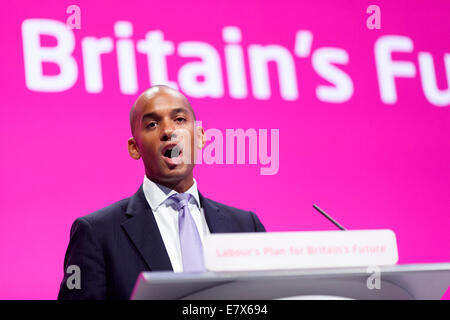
165	136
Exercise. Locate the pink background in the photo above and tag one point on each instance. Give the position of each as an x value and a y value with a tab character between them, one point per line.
369	164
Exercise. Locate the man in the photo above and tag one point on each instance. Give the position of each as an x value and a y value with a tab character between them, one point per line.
162	226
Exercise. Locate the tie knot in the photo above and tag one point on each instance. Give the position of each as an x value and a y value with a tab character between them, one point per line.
181	199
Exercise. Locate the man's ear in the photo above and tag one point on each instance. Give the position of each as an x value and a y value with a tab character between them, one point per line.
201	138
133	149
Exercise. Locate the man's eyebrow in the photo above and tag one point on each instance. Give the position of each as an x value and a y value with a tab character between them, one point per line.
155	115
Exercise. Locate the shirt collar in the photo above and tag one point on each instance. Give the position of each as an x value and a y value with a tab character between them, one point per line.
157	194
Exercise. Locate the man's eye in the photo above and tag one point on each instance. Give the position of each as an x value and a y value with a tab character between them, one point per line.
151	124
180	119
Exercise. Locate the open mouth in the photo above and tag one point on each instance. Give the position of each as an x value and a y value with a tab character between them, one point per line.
172	154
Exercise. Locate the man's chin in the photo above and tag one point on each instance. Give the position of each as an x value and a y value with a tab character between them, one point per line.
173	178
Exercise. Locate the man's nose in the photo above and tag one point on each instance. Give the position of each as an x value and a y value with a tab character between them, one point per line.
168	131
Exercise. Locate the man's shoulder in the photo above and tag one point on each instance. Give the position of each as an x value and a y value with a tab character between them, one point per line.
241	220
226	208
109	214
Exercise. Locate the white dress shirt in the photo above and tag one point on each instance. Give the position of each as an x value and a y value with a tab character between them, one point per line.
166	216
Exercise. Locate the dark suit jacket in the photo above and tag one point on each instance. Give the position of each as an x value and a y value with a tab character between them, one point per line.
113	245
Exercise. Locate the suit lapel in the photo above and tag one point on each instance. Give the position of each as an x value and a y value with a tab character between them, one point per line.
143	231
217	221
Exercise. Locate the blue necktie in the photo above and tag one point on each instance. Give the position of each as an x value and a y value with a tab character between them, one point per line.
190	242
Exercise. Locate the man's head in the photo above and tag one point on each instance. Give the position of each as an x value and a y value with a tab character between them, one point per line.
165	136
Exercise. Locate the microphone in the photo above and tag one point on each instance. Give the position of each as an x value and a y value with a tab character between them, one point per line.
329	218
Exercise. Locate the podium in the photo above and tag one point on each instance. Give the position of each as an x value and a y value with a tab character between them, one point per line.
397	282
